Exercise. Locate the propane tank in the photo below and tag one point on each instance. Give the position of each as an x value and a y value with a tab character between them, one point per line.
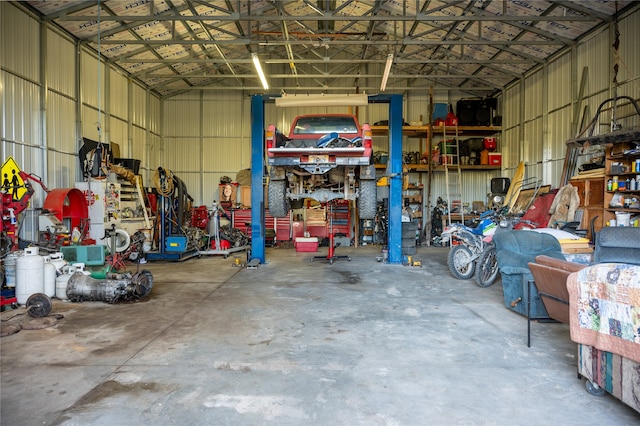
10	264
62	281
57	259
49	277
29	275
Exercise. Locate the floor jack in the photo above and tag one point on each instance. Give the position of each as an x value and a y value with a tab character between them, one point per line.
331	256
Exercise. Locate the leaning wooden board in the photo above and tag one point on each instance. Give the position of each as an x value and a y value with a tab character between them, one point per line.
516	185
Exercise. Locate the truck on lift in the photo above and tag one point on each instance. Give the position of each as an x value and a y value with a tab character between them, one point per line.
325	157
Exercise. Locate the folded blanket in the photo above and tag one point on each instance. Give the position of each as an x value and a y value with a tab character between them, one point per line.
604	305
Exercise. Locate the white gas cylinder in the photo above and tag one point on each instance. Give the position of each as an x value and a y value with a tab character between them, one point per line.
10	265
57	259
49	277
29	275
62	280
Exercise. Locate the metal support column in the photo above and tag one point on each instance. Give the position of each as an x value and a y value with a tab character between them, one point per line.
257	171
395	186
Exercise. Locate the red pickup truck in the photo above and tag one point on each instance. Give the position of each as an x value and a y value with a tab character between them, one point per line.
325	157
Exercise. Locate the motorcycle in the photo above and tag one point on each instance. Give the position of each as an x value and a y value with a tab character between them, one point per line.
462	258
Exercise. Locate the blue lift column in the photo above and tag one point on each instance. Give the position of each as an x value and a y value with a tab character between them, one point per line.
257	172
395	181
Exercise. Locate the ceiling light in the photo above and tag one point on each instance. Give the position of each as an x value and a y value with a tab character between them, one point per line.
314	100
387	69
256	63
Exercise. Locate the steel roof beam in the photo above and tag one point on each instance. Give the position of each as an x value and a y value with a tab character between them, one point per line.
339	42
329	17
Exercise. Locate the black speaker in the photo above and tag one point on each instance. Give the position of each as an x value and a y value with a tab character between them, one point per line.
475	112
483	113
466	112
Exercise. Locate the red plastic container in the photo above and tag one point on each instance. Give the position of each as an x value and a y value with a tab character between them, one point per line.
495	159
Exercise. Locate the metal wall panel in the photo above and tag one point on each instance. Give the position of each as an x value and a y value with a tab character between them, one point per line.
533	142
139	140
534	89
90	120
63	169
138	105
89	79
21	110
118	133
61	64
223	117
221	155
560	83
513	105
154	112
61	124
181	118
595	54
181	154
20	41
118	94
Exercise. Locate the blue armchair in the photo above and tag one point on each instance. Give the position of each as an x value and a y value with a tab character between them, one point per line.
515	249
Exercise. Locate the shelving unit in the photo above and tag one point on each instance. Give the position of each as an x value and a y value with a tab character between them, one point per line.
426	134
591	193
621	166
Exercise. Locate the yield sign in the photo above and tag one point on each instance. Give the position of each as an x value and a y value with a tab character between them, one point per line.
12	182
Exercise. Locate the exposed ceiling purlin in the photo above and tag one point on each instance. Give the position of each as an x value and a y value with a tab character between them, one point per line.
288	49
156	54
370	31
325	52
329	18
415	25
524	30
580	9
427	68
75	7
208	34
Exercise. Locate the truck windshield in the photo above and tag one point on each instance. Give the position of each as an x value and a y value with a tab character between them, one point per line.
324	125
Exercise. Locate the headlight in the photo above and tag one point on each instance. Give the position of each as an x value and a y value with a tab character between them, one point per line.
498	199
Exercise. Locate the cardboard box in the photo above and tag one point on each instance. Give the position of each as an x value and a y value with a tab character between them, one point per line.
495	158
245	195
306	244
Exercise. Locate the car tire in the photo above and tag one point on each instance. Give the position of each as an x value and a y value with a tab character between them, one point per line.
278	202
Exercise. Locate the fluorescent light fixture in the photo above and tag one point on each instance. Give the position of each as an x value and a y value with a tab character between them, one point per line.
322	100
387	69
256	63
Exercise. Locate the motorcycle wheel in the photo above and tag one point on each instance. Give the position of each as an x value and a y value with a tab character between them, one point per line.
487	268
459	262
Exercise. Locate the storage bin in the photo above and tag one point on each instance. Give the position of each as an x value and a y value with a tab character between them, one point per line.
89	255
306	244
495	159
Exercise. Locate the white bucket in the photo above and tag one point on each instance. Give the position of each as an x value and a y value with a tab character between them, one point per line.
623	218
49	277
10	265
29	275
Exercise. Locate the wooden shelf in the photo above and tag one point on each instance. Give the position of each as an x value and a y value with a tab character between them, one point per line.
423	131
422	168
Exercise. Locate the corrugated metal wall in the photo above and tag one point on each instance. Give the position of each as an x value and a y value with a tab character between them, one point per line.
544	109
42	125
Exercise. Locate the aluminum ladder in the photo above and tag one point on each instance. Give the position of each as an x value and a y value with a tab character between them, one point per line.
452	174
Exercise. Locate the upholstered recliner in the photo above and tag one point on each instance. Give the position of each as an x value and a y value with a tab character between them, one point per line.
618	244
515	249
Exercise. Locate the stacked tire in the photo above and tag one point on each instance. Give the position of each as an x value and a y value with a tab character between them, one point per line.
409	230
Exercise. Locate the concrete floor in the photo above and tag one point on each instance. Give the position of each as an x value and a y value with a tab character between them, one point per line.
298	342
